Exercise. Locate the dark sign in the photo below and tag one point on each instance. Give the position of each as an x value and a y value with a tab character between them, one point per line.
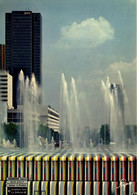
17	190
16	186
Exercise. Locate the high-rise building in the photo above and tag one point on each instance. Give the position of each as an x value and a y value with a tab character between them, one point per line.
2	57
23	46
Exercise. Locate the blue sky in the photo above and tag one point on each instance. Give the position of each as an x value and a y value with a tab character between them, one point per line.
86	39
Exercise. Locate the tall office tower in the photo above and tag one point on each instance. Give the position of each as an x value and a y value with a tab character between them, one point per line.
2	57
23	46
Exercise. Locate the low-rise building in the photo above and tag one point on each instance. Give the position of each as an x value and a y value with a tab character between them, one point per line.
6	88
49	117
44	115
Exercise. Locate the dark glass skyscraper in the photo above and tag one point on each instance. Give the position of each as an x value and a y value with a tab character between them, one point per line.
23	46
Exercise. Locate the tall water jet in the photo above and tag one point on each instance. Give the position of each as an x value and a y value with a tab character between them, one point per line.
21	102
70	113
29	100
75	113
114	99
65	116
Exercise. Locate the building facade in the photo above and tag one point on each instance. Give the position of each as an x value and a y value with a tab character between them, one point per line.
6	88
49	117
45	116
2	57
23	46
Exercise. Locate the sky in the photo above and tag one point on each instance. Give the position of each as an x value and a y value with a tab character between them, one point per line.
88	40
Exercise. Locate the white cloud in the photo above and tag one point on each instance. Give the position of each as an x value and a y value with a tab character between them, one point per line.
124	67
89	33
132	1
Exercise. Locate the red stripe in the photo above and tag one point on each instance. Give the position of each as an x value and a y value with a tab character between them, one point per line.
98	170
53	170
108	188
10	164
103	171
125	170
44	171
133	171
116	170
36	170
121	172
62	169
28	164
2	169
78	168
70	171
86	170
134	186
117	185
130	170
112	168
107	170
81	169
98	188
90	171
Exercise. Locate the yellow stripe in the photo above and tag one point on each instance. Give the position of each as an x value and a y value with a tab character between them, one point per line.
22	168
129	158
64	188
3	158
37	158
112	158
81	187
2	187
47	189
46	158
94	158
63	158
72	170
12	158
88	158
20	158
103	158
13	169
55	188
5	170
38	187
72	188
71	158
64	171
47	170
54	158
56	170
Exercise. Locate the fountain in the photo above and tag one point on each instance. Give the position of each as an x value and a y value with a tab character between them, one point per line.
85	167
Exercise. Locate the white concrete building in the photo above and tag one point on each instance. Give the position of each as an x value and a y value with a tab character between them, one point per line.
49	117
6	83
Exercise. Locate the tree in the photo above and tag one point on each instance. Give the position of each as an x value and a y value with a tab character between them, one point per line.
11	132
105	134
45	132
